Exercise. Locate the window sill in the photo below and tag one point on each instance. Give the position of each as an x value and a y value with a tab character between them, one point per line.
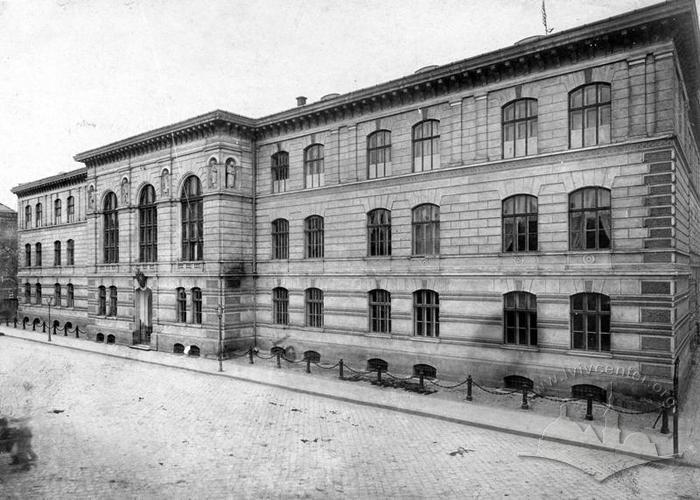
424	257
378	335
595	354
420	338
519	347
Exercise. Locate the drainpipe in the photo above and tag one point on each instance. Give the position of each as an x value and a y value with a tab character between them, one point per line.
255	242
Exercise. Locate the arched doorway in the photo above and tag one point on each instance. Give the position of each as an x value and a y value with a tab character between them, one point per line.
143	308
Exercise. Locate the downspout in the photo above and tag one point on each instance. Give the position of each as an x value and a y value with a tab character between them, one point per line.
255	241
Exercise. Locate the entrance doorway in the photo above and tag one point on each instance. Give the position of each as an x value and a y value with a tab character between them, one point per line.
143	306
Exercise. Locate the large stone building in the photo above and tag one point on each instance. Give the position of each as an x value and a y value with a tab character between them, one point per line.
522	212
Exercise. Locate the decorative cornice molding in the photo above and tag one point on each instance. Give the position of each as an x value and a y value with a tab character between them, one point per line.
48	183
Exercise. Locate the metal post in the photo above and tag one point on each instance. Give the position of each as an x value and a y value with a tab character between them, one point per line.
250	355
379	375
420	380
278	360
48	302
43	327
15	321
589	407
675	406
308	364
77	332
524	405
469	388
340	369
220	313
664	419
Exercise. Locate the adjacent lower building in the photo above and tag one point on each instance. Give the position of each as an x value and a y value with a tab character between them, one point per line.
8	262
529	214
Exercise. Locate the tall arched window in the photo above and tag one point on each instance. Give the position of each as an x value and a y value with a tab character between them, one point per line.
314	307
520	318
313	236
28	254
192	219
37	255
379	232
57	295
230	173
57	211
70	295
110	218
148	225
37	295
280	306
70	209
197	305
39	214
426	145
57	253
378	154
379	311
520	223
280	239
70	253
426	313
101	301
313	166
280	171
27	217
589	115
112	301
426	230
590	322
181	305
520	128
27	293
589	219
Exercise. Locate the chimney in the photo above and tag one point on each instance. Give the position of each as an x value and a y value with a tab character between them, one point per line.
301	100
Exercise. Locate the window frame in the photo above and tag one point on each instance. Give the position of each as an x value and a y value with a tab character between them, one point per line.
279	169
529	121
70	295
425	131
27	293
192	220
27	217
426	313
600	316
110	218
529	216
599	106
148	224
379	302
113	301
70	253
180	305
520	313
314	167
314	237
582	231
313	307
37	255
57	298
280	239
57	211
28	255
38	294
38	214
196	293
379	149
280	306
425	233
70	209
379	233
57	253
101	300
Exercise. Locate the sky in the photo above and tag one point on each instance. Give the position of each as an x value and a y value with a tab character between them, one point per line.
79	74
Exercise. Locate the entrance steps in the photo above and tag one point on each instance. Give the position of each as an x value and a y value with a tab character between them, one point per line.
141	347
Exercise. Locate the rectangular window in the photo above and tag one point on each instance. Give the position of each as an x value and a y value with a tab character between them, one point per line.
280	239
313	233
197	306
280	306
70	209
314	308
280	171
70	253
57	253
101	301
426	313
70	296
112	301
379	311
181	306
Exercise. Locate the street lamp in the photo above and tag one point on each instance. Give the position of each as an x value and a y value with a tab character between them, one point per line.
220	314
49	302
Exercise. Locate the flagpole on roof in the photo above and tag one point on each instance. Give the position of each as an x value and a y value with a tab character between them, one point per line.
547	30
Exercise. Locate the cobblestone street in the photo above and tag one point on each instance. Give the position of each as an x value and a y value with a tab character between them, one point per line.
112	428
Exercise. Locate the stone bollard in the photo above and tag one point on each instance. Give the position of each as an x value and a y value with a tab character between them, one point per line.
43	327
379	375
278	360
250	356
308	365
420	381
15	321
340	369
77	332
524	405
664	419
589	407
469	388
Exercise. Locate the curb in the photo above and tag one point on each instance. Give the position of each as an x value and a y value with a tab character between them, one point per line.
410	411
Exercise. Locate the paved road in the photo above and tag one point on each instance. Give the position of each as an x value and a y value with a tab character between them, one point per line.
113	428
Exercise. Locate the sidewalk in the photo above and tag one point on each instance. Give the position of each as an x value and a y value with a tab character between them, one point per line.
603	434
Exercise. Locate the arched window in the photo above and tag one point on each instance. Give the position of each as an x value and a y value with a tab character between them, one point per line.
280	239
379	232
110	218
520	128
313	166
28	254
38	293
426	313
589	219
520	318
426	230
280	306
39	214
379	311
57	211
27	217
70	209
314	307
37	257
148	225
589	115
426	145
230	173
280	171
378	154
192	219
313	235
56	253
57	295
112	301
196	306
70	253
181	305
101	301
70	295
590	322
520	223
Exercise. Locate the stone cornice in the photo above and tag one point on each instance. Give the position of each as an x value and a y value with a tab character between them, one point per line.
48	183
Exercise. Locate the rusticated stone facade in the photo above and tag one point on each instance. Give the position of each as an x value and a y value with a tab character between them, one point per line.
376	224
